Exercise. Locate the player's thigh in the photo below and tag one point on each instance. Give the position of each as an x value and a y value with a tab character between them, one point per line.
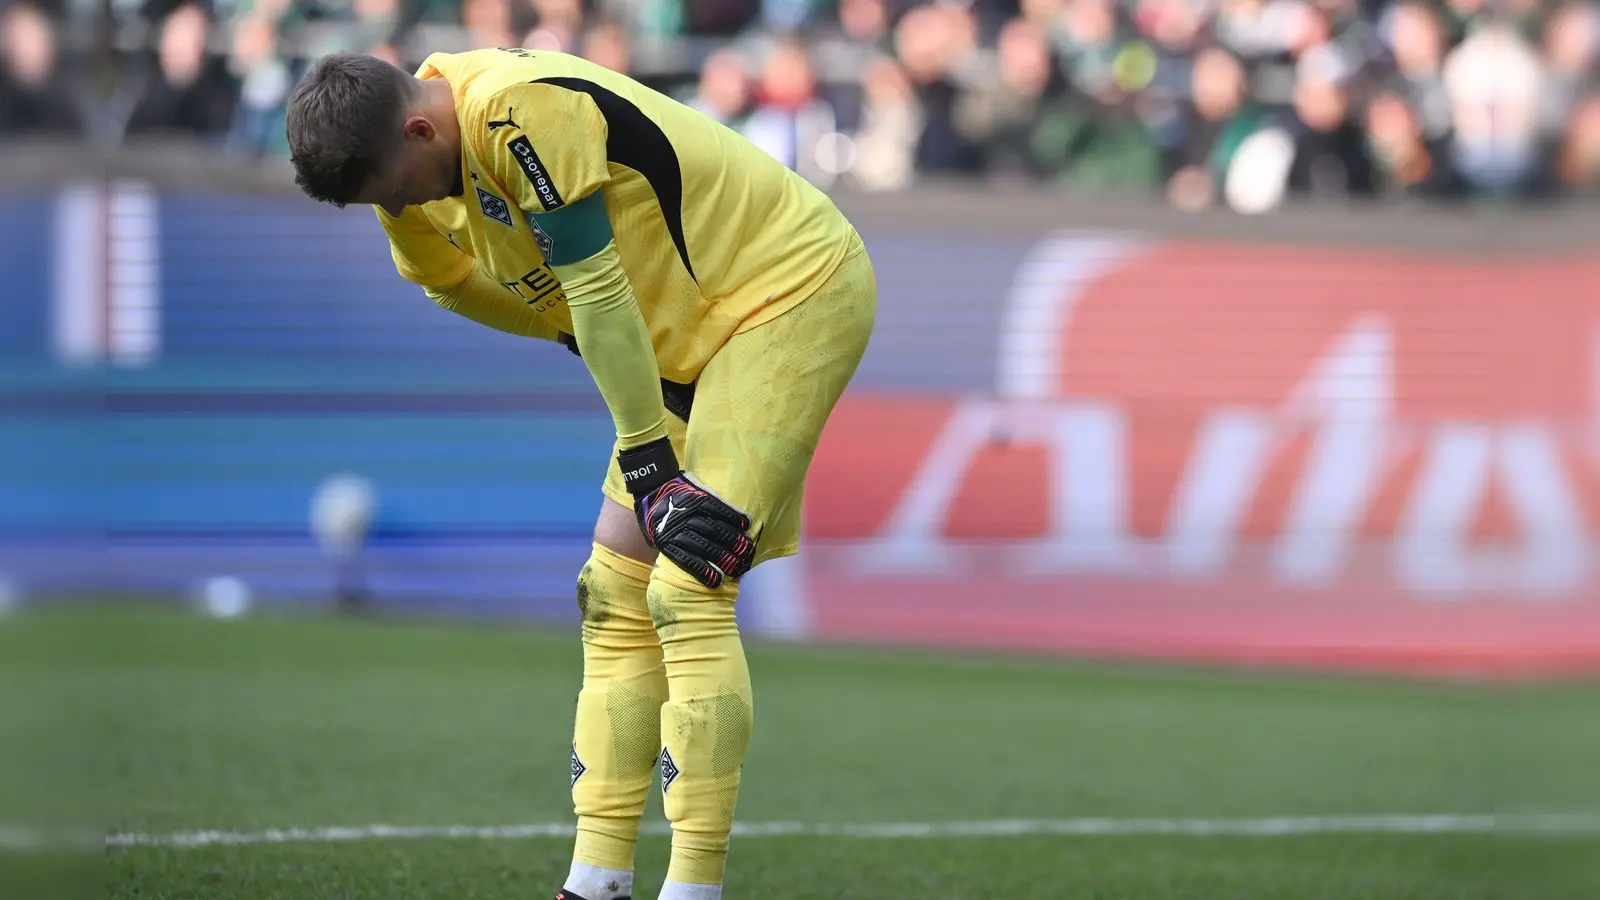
763	399
616	528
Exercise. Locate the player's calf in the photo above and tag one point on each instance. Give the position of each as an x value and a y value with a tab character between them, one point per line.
705	726
617	732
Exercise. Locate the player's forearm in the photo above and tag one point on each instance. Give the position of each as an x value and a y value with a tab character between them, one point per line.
616	346
479	298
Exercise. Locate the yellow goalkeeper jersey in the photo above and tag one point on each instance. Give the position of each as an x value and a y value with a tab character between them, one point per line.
714	235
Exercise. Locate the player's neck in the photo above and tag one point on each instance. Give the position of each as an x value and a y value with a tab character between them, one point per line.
439	105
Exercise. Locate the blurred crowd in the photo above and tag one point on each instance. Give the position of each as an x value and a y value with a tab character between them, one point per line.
1242	102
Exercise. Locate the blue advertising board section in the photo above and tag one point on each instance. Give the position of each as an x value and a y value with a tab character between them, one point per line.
291	352
26	227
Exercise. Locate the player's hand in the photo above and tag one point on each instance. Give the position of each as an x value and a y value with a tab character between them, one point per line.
682	518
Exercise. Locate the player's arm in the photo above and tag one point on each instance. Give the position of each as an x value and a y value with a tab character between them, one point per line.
554	164
558	175
452	279
483	300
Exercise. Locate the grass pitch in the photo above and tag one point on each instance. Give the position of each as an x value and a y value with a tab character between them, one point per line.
152	723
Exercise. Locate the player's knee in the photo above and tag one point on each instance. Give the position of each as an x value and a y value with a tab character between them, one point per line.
593	608
681	607
663	613
611	603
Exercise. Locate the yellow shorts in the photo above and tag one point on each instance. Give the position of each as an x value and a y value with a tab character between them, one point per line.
761	402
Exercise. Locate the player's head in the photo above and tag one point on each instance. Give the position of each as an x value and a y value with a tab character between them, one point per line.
362	131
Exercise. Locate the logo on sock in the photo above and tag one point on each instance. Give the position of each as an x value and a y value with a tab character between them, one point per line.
669	770
578	767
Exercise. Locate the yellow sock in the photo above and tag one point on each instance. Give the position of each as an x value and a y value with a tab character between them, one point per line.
617	733
705	723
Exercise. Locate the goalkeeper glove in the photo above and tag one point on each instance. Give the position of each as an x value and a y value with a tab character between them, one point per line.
683	519
677	397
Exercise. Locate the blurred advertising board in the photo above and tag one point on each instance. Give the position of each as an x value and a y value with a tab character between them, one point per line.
1259	453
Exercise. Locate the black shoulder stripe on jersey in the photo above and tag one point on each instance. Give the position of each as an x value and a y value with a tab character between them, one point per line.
635	141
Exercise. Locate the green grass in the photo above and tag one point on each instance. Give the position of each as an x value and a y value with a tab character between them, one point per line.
148	721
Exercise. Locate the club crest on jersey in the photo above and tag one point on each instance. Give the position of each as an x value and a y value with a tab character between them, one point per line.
547	244
544	187
494	207
669	771
578	768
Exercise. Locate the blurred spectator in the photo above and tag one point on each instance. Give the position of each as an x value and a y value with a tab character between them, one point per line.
891	120
718	18
785	16
1030	121
1571	45
1576	166
788	120
725	88
1002	115
1042	14
35	98
1330	150
865	22
606	44
389	53
1267	29
264	85
1461	16
1347	26
1088	41
1174	25
1416	38
1407	160
1218	120
936	45
376	23
1495	84
558	26
654	18
183	90
1247	100
490	23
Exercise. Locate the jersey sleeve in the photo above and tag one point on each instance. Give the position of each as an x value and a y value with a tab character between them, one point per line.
615	344
421	254
547	144
485	301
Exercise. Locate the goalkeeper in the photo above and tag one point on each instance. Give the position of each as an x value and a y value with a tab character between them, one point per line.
545	196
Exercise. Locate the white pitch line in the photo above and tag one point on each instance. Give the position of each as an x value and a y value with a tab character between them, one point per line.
1554	824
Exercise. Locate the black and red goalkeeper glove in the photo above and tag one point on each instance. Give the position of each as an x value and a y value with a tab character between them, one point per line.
683	519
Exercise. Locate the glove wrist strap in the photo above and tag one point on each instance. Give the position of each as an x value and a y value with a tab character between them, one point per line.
647	467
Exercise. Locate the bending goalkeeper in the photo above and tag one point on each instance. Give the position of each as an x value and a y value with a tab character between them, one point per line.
721	304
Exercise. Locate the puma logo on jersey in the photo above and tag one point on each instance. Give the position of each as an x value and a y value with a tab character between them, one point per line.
493	126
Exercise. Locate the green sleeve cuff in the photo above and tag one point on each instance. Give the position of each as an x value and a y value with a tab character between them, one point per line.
572	233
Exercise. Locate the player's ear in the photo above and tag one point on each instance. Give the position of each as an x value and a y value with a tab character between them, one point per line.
419	127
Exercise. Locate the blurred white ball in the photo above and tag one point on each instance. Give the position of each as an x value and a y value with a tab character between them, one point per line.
341	512
1258	177
226	597
836	153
